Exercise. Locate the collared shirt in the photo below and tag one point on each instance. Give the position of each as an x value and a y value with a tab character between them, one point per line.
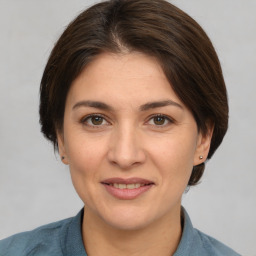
64	238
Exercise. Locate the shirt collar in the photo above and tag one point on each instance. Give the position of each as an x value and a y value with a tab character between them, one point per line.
72	243
71	237
186	241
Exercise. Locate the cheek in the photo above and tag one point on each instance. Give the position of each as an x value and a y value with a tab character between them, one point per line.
85	160
83	151
174	157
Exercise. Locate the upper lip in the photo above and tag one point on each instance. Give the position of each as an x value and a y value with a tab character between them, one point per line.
133	180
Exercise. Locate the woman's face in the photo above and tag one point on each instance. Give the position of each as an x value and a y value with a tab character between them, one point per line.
129	141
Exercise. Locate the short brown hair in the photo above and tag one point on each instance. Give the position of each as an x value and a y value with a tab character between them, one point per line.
153	27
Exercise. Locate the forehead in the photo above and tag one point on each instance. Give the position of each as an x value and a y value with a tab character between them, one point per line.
133	77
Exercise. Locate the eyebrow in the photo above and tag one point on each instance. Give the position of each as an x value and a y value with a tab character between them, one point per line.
159	104
93	104
144	107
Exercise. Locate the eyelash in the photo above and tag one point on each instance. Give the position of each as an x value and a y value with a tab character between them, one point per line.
85	119
166	118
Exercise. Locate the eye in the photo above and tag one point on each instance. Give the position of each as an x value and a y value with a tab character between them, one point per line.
94	120
160	120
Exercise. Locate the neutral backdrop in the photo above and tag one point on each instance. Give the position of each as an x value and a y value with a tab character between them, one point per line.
35	187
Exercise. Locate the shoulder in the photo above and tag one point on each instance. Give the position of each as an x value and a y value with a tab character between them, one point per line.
44	240
213	247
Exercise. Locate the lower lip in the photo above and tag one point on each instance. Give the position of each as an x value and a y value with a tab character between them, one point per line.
127	194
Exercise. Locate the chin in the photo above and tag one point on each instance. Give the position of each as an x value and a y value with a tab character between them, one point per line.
128	224
128	219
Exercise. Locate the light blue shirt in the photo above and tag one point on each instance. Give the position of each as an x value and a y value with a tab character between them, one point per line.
64	238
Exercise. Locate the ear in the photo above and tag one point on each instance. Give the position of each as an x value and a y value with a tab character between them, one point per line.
203	146
61	148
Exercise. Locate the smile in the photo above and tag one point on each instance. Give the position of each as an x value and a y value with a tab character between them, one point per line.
127	186
127	189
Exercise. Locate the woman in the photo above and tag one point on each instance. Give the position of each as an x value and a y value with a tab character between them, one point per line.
134	100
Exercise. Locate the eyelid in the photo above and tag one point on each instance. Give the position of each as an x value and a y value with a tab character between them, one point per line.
168	118
85	118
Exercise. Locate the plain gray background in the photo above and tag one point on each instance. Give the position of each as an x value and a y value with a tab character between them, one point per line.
35	187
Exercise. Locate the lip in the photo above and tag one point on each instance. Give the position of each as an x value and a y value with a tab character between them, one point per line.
132	180
127	194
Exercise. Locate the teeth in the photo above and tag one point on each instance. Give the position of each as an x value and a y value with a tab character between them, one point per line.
131	186
127	186
122	186
137	185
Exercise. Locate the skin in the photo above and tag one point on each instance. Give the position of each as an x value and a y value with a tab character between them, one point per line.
127	141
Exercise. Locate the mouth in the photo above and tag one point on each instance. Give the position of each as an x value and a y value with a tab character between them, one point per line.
127	189
127	186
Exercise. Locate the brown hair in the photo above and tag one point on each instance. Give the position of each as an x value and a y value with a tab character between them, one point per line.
156	28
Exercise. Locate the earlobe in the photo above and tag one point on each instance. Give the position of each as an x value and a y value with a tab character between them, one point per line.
203	146
61	148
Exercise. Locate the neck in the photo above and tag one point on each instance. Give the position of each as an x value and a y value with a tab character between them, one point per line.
159	238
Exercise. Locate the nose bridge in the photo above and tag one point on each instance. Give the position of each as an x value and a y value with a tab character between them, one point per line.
126	149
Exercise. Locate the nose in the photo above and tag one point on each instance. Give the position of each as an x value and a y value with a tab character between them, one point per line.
125	148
